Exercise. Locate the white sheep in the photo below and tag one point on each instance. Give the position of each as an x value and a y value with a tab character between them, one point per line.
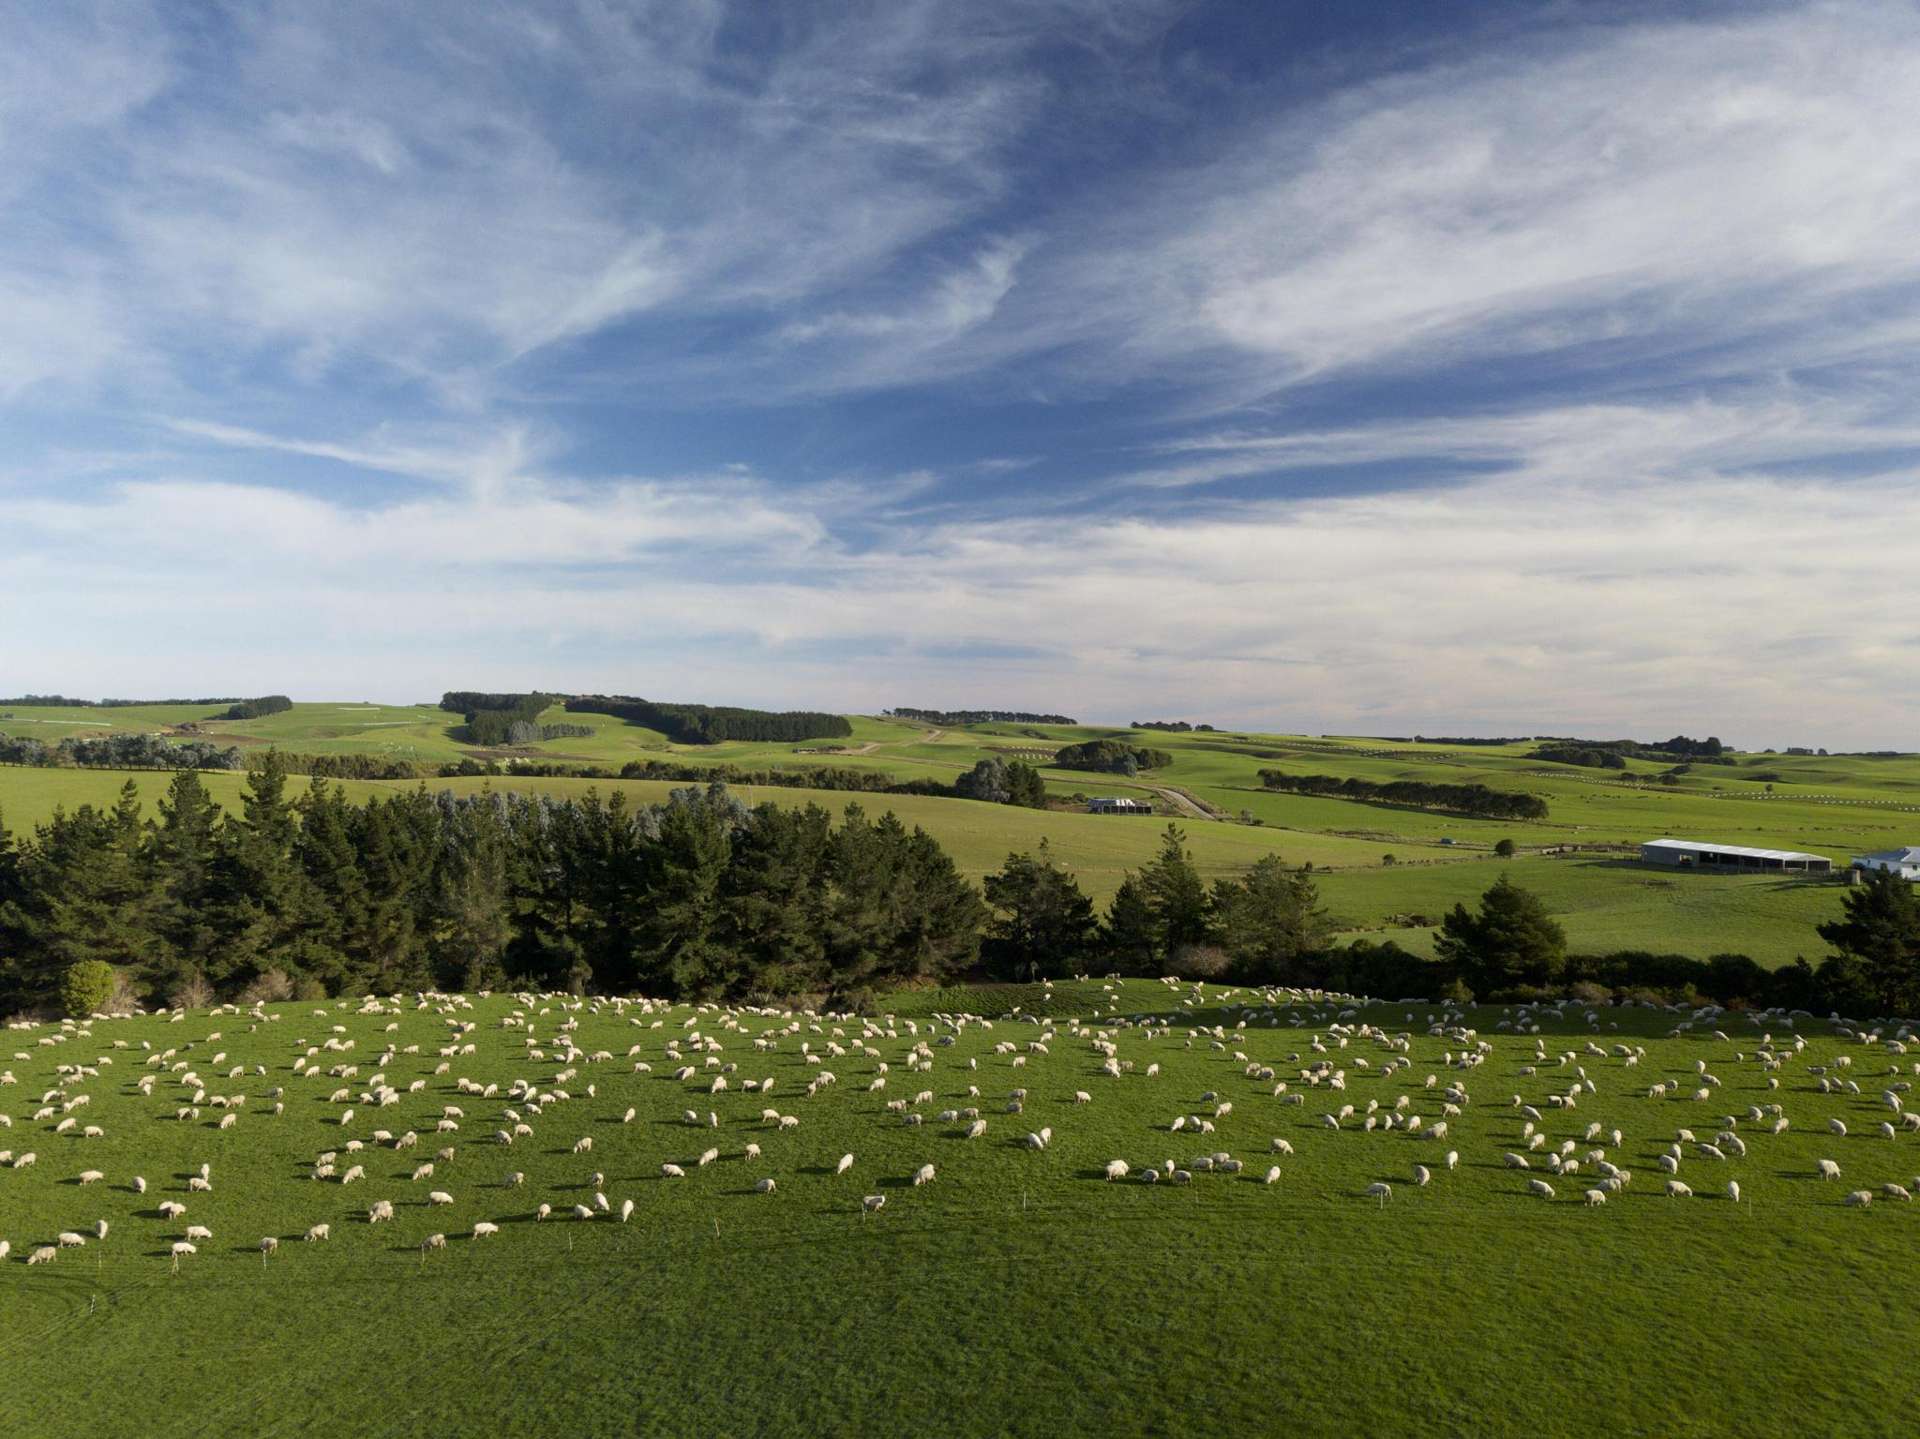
1733	1190
1594	1196
1379	1189
1859	1199
1273	1175
485	1229
44	1254
764	1186
1826	1168
1117	1169
626	1210
872	1202
439	1196
182	1246
69	1240
1421	1175
91	1176
318	1232
923	1175
269	1245
672	1171
1678	1190
171	1209
1540	1187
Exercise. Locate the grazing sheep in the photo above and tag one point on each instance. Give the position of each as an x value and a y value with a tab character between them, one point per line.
542	1213
433	1241
1117	1169
872	1202
381	1209
484	1229
1453	1159
1594	1196
923	1175
439	1196
182	1246
626	1210
1678	1190
1280	1146
424	1171
1080	1096
269	1245
99	1229
1421	1176
1273	1175
583	1144
1859	1199
1826	1168
1380	1190
1733	1190
171	1209
672	1171
846	1163
319	1232
70	1240
764	1186
44	1254
139	1185
581	1211
91	1176
1540	1187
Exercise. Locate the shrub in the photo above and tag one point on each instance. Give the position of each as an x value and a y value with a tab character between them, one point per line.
270	986
307	988
125	997
191	991
1200	961
1505	849
86	987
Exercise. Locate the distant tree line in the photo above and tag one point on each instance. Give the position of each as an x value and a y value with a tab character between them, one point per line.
1580	755
119	751
957	718
1172	726
1111	756
493	720
1680	747
259	708
714	724
67	702
1469	739
1474	800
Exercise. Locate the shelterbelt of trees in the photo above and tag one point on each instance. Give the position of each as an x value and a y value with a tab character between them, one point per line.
1476	800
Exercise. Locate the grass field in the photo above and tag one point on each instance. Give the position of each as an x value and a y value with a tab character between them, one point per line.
1079	1305
1833	805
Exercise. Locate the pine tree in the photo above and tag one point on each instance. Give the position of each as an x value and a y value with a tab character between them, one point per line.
1878	939
1042	925
1268	920
1132	935
1511	941
1177	897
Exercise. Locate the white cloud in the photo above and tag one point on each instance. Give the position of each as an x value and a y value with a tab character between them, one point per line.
1660	594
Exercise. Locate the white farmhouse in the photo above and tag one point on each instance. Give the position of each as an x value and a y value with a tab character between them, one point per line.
1904	862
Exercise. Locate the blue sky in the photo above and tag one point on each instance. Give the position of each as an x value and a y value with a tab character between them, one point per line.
1464	368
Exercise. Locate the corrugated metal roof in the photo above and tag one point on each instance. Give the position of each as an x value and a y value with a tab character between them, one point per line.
1910	854
1739	850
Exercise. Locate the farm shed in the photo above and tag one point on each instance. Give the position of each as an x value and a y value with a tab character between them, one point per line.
1690	854
1104	804
1904	862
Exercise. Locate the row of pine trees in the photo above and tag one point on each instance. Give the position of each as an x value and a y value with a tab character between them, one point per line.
304	892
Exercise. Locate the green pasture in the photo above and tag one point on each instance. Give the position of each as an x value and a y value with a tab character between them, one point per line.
1077	1304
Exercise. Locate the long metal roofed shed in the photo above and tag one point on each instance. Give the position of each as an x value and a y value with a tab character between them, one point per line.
1688	854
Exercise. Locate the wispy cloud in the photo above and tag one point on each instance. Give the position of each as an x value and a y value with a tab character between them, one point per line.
996	343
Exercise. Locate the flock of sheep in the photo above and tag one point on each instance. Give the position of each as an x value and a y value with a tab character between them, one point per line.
1289	1073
